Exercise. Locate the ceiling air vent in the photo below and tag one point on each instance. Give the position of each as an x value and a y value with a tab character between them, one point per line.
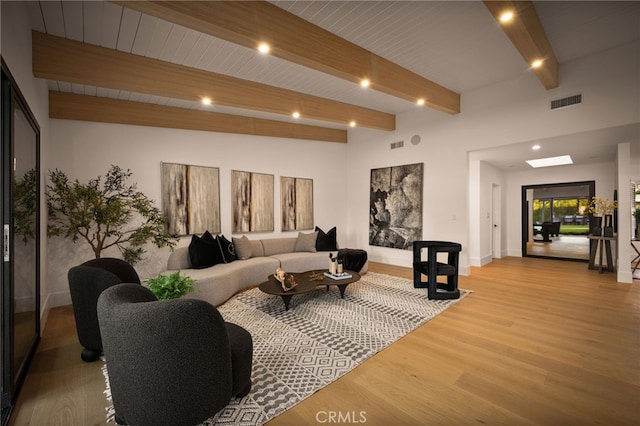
565	102
398	144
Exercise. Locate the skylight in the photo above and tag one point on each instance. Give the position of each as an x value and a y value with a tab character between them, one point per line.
550	161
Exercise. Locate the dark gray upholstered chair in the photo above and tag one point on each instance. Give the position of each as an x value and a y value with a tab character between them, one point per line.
86	282
432	268
170	362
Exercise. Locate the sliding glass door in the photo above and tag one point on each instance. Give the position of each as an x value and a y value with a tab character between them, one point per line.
555	220
20	307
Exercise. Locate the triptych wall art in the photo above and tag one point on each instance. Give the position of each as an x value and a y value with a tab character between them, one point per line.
296	203
395	206
191	198
252	198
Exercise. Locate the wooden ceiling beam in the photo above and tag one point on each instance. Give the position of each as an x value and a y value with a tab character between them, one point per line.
57	58
71	106
527	34
249	23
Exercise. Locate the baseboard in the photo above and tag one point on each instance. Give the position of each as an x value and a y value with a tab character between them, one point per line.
480	261
625	277
463	270
62	298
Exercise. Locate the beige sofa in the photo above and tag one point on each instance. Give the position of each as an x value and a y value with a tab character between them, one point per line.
218	283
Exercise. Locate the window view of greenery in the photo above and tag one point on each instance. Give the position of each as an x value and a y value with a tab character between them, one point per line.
571	213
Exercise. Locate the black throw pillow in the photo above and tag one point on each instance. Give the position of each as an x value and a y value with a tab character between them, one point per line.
227	249
326	241
204	251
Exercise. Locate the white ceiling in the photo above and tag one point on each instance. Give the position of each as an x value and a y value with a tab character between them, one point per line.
453	43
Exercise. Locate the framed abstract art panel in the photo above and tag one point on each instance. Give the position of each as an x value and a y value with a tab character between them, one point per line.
191	198
296	203
395	206
252	202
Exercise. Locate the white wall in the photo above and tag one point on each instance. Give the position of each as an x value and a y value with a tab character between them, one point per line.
635	159
86	150
482	179
16	52
506	113
623	180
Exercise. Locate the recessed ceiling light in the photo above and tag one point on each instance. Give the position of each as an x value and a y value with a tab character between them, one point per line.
296	114
206	101
535	147
537	63
352	123
420	102
264	48
550	161
365	82
506	16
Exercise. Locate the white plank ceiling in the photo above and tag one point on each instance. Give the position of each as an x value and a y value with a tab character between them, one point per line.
456	44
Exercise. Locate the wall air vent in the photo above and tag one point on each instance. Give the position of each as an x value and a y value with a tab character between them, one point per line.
398	144
565	102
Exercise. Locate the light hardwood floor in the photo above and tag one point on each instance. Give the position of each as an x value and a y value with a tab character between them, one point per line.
537	342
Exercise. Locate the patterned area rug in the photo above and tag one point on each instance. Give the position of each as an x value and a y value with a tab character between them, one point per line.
320	338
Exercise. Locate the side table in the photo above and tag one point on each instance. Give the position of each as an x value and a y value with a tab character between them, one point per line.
636	260
605	246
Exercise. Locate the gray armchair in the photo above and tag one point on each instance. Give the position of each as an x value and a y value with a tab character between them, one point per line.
86	282
170	362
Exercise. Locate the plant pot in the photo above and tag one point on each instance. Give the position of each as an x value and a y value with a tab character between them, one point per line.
608	225
597	225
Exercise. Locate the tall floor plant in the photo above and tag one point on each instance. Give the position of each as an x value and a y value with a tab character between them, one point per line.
105	212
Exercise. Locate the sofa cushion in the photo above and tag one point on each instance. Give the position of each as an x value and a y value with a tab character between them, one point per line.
306	242
204	251
256	248
227	249
303	261
326	241
279	245
243	247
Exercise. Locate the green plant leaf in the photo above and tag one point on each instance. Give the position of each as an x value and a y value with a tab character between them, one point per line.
101	212
172	286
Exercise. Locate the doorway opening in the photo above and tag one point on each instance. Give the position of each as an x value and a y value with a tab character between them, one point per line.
555	220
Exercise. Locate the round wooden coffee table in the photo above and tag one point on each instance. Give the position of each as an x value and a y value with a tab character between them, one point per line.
307	281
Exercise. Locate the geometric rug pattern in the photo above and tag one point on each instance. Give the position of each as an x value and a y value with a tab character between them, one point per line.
319	339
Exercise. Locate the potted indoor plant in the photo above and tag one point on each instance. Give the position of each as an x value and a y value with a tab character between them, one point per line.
602	208
171	286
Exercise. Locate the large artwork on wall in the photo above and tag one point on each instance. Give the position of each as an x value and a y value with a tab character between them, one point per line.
252	198
395	206
296	203
191	198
